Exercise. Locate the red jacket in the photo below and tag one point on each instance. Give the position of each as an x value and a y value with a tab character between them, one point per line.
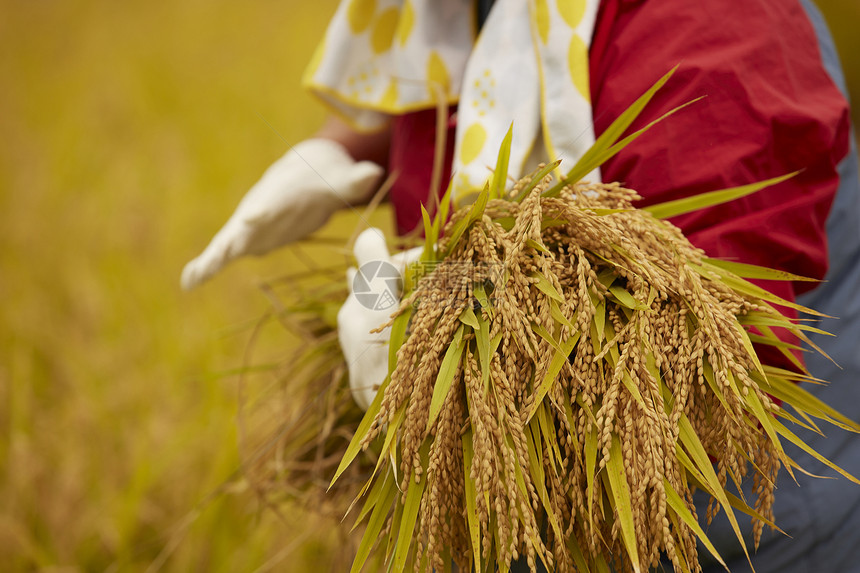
771	108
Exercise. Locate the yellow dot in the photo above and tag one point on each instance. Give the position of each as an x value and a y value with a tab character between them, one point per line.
477	83
360	14
389	98
362	76
383	30
487	73
437	73
482	113
492	103
572	11
472	143
577	61
542	18
407	21
350	81
475	103
484	94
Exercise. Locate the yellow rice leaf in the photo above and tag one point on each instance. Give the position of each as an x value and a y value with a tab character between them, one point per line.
693	446
546	287
680	508
558	316
799	398
748	271
445	378
624	298
578	557
631	387
620	494
543	333
558	361
791	437
537	246
703	200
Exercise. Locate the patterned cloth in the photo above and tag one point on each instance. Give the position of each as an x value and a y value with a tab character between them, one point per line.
528	65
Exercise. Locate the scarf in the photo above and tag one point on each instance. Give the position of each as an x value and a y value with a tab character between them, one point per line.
528	68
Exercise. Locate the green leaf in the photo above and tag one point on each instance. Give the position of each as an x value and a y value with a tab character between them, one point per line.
468	317
537	177
445	378
607	139
590	468
500	175
703	200
410	512
621	497
471	499
377	520
431	232
398	336
482	334
576	175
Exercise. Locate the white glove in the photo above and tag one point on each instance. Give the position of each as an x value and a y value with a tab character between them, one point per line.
294	198
374	294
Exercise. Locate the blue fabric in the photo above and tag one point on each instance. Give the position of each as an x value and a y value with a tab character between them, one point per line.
822	515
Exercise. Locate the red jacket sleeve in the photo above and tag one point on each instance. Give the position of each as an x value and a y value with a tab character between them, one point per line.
770	108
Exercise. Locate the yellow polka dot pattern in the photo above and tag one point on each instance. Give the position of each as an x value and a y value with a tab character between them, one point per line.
360	15
572	11
577	61
542	18
383	30
437	72
407	22
472	143
389	98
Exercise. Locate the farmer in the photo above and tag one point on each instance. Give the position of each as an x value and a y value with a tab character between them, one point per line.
561	71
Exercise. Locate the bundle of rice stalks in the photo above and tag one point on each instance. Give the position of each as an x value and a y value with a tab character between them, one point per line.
564	371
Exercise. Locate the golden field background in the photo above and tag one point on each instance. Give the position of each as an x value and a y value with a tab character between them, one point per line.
128	132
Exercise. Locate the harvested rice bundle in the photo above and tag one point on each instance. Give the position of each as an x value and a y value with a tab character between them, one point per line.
565	369
568	368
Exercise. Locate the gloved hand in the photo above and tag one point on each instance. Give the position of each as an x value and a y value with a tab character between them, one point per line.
294	198
374	294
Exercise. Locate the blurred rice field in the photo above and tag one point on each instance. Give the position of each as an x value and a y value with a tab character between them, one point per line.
128	131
